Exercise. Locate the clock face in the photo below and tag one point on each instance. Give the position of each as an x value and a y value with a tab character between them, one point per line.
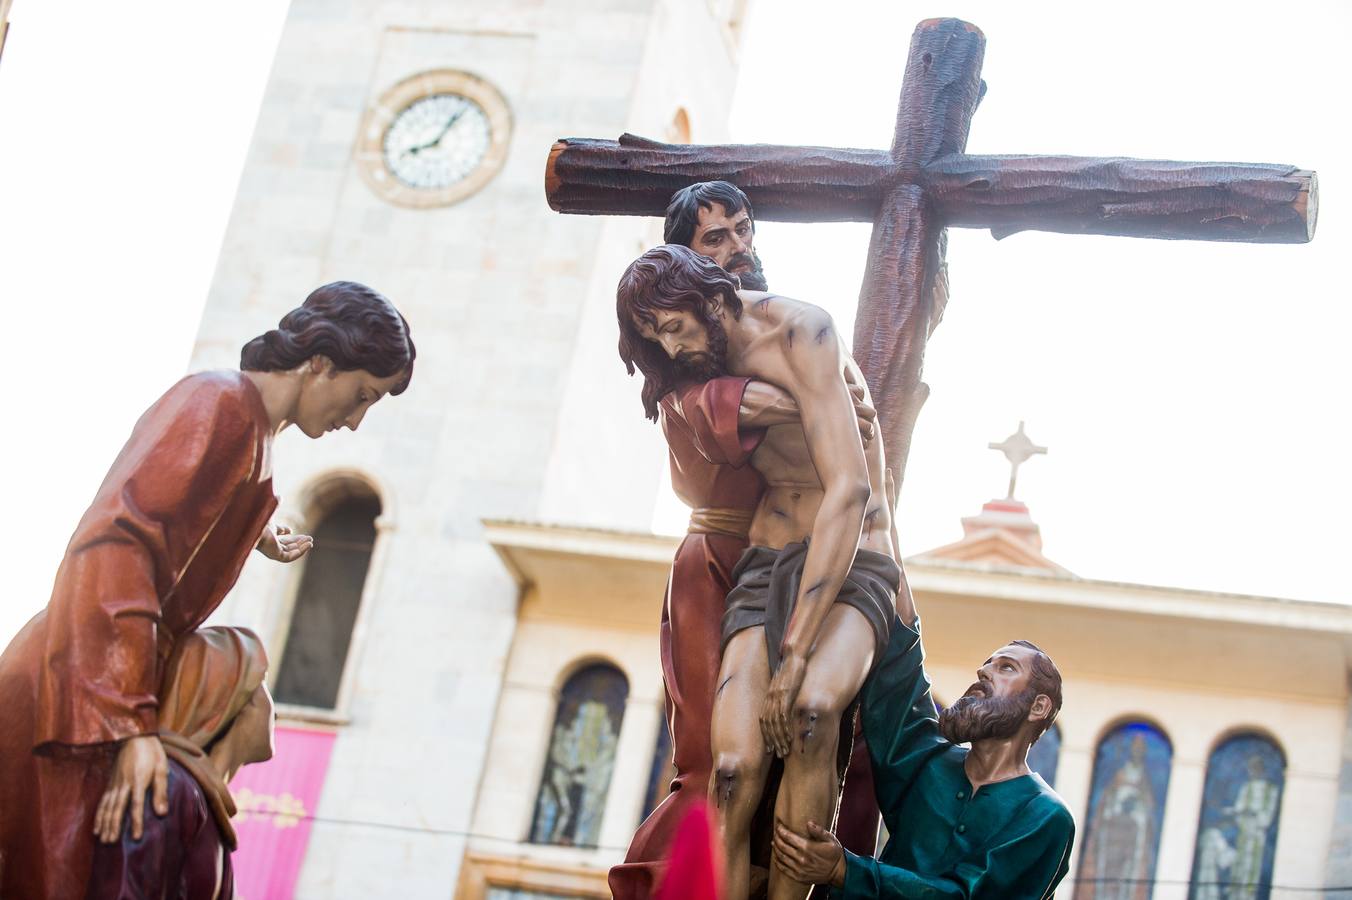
434	138
437	141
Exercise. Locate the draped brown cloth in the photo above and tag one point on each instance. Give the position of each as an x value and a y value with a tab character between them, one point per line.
709	473
164	540
185	855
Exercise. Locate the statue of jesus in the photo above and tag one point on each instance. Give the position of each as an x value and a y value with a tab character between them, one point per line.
815	592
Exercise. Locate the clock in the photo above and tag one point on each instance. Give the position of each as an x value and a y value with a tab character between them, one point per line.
434	139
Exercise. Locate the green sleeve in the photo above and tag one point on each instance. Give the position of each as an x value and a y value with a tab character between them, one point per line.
1028	863
899	719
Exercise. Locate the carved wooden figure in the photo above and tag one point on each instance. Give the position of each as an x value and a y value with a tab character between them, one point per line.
927	182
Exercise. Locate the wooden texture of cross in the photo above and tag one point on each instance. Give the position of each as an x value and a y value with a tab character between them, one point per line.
927	182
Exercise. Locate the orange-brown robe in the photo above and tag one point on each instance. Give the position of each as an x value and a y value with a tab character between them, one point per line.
164	540
709	473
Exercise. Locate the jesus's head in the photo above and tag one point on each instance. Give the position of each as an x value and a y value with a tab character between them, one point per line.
672	304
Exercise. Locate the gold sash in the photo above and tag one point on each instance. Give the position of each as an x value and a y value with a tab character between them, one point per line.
715	520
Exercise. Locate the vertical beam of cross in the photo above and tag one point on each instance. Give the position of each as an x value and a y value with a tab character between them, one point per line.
939	94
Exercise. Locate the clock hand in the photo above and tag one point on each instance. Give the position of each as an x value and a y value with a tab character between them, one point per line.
437	140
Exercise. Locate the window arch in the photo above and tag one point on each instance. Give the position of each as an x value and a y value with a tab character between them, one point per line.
1126	811
329	596
1237	832
1045	754
581	760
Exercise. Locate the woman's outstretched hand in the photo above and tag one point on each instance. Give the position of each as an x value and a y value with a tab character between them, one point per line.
280	544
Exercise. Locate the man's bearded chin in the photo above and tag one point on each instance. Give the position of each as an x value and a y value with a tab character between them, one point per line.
701	367
753	279
981	718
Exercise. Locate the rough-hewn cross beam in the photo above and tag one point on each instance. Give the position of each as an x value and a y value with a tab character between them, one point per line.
927	182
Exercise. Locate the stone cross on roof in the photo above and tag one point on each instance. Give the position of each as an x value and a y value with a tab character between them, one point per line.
1018	449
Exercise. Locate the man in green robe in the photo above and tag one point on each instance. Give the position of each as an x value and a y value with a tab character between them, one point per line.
963	823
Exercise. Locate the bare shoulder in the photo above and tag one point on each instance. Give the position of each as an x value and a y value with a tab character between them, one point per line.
791	321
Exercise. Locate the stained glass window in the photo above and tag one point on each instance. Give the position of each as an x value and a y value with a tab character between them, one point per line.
662	771
581	759
326	606
1126	811
1045	754
1237	834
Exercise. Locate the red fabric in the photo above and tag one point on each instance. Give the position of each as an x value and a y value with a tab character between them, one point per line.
164	540
695	871
709	456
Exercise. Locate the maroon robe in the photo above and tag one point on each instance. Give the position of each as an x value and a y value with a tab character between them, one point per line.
709	473
164	540
181	856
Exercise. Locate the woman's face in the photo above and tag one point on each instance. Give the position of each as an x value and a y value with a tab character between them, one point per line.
331	398
254	726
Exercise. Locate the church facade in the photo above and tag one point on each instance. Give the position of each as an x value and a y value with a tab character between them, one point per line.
470	700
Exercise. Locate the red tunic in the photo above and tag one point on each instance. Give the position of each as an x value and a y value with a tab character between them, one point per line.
709	470
164	540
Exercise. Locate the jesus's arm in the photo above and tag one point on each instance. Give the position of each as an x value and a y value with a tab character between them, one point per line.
813	369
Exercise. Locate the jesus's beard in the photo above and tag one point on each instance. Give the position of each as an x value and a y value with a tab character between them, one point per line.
700	367
981	718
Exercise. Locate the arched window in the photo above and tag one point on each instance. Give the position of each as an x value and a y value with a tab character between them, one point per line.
325	610
662	771
581	758
1045	754
1237	834
1126	810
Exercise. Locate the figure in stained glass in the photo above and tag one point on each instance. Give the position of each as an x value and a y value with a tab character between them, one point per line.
1126	810
581	758
1237	835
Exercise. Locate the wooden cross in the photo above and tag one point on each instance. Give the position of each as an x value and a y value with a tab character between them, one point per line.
927	182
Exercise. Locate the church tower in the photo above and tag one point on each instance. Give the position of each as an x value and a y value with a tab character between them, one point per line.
402	144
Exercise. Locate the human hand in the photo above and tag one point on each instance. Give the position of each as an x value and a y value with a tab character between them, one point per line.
278	543
776	719
864	413
140	766
816	858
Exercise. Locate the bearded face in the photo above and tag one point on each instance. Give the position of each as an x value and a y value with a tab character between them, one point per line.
750	274
980	715
709	364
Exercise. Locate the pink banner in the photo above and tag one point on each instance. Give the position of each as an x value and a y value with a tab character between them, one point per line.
276	801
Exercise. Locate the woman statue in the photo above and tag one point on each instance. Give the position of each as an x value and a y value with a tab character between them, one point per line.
215	716
164	540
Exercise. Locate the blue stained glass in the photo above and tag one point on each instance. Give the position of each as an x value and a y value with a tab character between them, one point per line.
1126	811
581	759
1045	754
662	771
1237	834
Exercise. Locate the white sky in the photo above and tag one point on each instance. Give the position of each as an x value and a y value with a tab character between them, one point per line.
1192	394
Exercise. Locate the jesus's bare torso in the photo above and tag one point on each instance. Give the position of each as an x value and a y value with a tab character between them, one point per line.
794	491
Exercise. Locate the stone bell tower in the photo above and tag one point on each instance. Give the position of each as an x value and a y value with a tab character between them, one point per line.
402	144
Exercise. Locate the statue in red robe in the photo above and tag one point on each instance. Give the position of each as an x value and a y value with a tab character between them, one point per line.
162	543
164	540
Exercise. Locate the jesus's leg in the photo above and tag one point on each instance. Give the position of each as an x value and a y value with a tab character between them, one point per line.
835	671
740	760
